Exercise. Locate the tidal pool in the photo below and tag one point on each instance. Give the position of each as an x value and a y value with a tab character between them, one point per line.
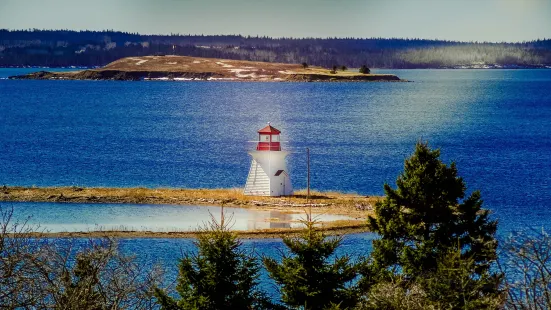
73	217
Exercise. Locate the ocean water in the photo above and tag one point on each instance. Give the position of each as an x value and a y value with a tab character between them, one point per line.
495	124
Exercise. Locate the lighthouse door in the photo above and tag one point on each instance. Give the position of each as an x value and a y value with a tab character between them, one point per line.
279	189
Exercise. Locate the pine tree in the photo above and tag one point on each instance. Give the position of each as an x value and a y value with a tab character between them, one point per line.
311	277
426	217
220	276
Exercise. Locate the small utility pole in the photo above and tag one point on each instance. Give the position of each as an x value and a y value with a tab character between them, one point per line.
308	181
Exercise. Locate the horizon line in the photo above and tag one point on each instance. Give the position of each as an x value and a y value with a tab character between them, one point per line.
279	37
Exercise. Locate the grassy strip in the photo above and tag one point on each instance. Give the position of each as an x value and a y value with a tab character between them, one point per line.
353	205
322	202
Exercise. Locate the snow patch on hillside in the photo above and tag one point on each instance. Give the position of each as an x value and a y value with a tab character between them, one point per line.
238	73
224	64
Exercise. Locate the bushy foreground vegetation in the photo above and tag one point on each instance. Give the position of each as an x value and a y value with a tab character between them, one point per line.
41	273
436	250
97	48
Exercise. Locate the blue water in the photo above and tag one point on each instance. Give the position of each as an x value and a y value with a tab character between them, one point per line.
166	252
70	217
496	124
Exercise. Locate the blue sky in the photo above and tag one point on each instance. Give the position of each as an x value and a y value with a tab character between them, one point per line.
465	20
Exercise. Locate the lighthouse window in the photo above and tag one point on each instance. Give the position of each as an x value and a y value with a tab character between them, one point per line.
265	138
275	138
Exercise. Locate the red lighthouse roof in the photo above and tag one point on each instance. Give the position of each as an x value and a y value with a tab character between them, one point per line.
269	130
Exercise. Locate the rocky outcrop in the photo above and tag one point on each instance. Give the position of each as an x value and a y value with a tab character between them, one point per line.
40	75
115	75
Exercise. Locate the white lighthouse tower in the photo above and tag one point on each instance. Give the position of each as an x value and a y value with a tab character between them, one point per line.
268	175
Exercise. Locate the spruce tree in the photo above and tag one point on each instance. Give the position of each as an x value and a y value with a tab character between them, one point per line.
455	285
220	276
311	277
426	217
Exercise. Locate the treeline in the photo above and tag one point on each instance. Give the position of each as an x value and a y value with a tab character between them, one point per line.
60	48
436	249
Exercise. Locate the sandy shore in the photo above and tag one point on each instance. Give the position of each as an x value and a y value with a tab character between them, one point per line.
353	205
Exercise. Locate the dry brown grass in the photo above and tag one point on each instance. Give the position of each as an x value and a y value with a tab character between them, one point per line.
321	202
222	67
194	64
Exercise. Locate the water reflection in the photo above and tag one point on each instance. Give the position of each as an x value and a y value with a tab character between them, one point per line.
272	219
71	217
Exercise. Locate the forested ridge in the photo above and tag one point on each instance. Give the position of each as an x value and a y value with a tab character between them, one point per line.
61	48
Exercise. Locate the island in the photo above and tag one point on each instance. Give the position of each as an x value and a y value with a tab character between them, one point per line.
184	68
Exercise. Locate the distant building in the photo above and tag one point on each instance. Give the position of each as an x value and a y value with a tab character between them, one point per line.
268	175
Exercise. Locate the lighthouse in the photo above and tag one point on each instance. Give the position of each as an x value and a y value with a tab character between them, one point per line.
268	175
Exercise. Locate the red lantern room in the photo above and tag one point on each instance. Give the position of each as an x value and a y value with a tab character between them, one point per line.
268	139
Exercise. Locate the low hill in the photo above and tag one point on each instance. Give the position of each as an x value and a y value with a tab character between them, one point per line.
184	68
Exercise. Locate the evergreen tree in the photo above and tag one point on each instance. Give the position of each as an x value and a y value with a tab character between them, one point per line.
364	69
426	217
455	284
220	276
310	277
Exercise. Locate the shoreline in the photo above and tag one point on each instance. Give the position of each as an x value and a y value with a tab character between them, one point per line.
276	233
355	206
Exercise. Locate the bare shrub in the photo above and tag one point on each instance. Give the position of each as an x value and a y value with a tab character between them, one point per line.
395	295
525	258
20	254
46	273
